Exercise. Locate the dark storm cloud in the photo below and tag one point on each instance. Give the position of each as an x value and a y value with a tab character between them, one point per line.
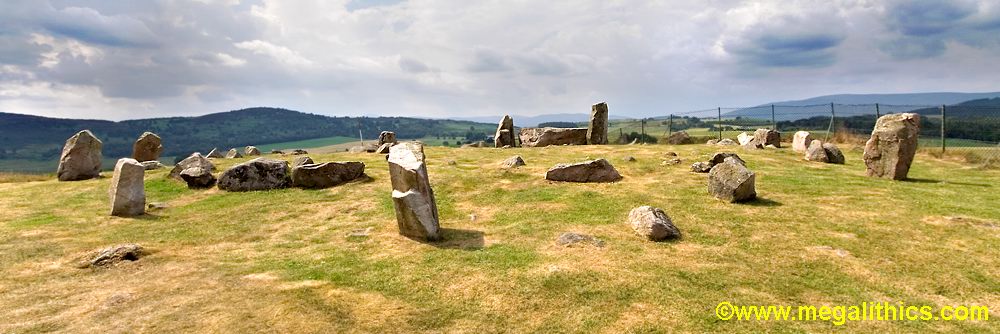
787	42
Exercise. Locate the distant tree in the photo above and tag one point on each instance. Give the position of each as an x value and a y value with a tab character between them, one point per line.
444	143
557	125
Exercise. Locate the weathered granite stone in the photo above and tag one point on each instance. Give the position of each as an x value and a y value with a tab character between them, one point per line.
504	135
766	137
147	148
679	138
127	191
539	137
195	160
815	152
214	153
834	154
80	158
251	151
599	170
513	162
597	131
801	140
303	160
233	153
889	152
327	174
412	195
386	137
732	182
198	178
652	223
256	174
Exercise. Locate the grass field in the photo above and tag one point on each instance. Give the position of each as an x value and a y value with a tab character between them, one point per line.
281	261
304	144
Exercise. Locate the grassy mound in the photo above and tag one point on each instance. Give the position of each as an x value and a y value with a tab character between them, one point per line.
283	261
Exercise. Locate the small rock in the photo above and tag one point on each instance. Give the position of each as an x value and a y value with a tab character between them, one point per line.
711	142
304	160
701	167
726	142
360	233
834	154
156	206
148	147
215	154
512	162
112	256
233	154
670	154
251	151
452	162
571	239
629	158
298	152
679	138
277	152
669	162
152	165
198	178
652	223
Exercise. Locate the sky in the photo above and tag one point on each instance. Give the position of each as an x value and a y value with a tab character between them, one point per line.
437	58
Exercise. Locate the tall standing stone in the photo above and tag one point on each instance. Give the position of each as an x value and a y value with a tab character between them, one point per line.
801	141
597	132
128	195
147	148
81	157
889	152
412	196
505	133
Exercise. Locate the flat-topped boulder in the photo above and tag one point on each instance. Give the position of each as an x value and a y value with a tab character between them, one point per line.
127	191
80	158
197	177
412	196
256	174
194	160
599	170
652	223
801	140
152	165
597	129
679	138
147	148
540	137
504	135
327	174
890	150
732	182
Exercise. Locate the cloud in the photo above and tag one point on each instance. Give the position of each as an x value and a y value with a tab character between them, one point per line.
923	28
787	41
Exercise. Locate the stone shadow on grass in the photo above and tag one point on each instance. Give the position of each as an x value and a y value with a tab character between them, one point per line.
759	201
452	238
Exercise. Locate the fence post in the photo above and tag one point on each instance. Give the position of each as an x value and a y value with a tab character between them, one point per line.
942	128
774	125
719	124
877	113
830	130
670	125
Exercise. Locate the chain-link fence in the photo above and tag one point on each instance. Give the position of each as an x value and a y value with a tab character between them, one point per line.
967	130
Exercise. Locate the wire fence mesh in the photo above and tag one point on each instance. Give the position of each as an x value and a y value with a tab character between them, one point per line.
969	131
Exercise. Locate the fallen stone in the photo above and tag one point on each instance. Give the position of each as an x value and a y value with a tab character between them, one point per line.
256	174
599	170
834	154
152	165
147	148
572	239
215	154
679	138
412	196
540	137
732	182
801	140
299	161
504	135
597	129
198	178
815	152
652	223
233	154
80	158
195	160
127	192
889	152
111	256
327	174
513	162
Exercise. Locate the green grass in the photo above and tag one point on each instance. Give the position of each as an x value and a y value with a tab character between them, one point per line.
282	260
305	144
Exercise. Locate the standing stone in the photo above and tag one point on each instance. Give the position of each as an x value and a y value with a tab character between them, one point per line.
251	151
679	138
597	131
256	174
215	154
198	177
147	148
815	152
412	196
128	195
327	174
505	133
732	182
652	223
889	152
513	162
81	157
766	137
386	137
233	153
195	160
599	170
801	140
833	154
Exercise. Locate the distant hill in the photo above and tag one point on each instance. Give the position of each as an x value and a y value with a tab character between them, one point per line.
25	137
855	104
532	121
